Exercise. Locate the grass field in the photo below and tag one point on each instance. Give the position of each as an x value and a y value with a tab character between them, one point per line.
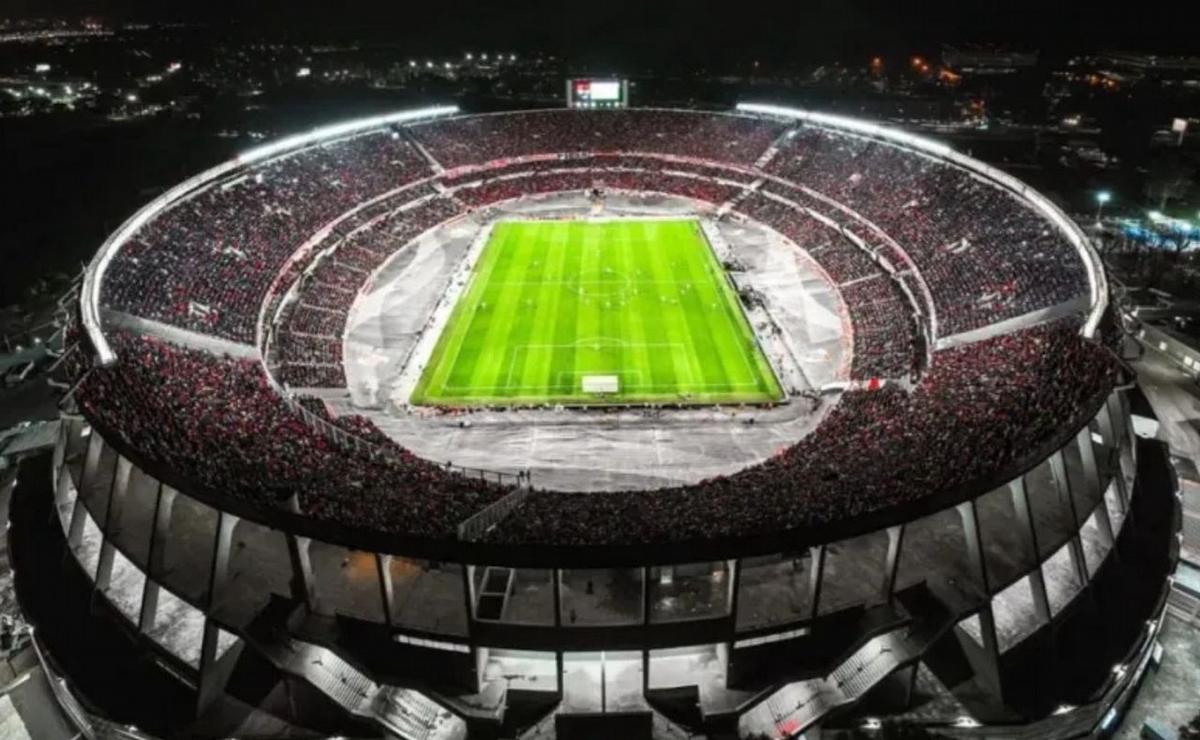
551	302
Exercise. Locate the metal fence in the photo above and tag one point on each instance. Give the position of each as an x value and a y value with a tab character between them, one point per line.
474	528
350	441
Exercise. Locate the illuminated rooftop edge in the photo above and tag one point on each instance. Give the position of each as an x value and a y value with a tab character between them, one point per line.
1097	282
90	291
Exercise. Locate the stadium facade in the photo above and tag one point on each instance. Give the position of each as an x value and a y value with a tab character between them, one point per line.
969	534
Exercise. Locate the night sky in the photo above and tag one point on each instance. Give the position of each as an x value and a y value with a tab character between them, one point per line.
656	31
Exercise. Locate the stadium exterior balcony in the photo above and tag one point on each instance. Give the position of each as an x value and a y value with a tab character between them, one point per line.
1002	569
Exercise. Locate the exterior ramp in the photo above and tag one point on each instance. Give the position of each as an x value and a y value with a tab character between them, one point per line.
799	705
403	713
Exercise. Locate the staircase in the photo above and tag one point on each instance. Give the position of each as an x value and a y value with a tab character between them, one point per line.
743	194
435	165
772	150
799	705
404	713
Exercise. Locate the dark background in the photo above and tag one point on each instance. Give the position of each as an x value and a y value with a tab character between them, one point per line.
69	180
657	31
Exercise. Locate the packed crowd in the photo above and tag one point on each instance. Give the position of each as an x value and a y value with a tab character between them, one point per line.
206	263
496	191
884	324
985	254
471	140
641	163
885	330
981	410
549	176
307	347
216	423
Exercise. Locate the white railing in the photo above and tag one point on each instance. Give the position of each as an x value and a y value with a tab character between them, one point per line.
1097	281
474	528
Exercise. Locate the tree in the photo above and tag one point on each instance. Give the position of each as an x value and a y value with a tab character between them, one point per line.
1169	177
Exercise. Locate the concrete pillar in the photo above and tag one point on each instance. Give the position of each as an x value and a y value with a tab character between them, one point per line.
214	669
1087	458
892	566
112	517
120	491
62	492
91	461
468	573
815	578
303	585
383	565
1125	419
1108	427
218	573
207	690
1104	524
60	448
645	671
78	519
1074	546
1062	483
556	589
1122	493
1075	550
732	593
911	685
74	438
469	587
558	663
1037	583
603	683
1126	466
159	533
987	664
1117	417
974	544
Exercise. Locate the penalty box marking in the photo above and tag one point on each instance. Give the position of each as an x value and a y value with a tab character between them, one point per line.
571	385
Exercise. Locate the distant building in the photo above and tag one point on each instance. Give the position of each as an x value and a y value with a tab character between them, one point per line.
1149	62
1178	339
988	58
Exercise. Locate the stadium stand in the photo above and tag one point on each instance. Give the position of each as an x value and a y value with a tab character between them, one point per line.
723	138
207	262
985	255
218	422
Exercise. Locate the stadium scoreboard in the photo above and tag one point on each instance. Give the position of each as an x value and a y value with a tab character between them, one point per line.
588	93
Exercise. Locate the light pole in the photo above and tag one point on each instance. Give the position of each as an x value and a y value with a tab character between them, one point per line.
1102	198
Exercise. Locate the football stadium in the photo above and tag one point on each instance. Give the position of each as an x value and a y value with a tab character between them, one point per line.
625	422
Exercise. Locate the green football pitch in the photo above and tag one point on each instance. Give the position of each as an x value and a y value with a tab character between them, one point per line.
552	306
